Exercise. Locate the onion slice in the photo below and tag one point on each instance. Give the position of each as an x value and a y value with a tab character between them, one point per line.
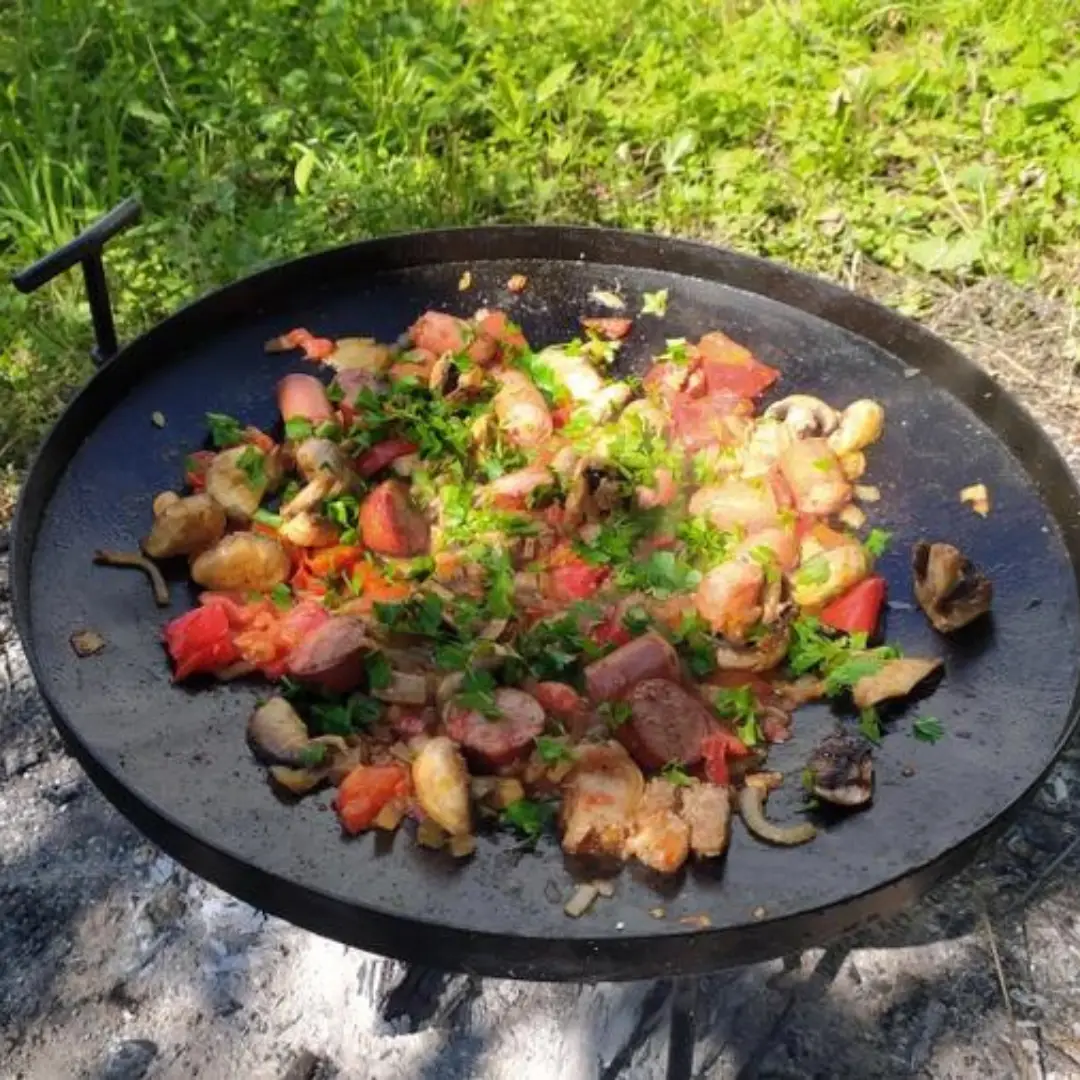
139	562
752	808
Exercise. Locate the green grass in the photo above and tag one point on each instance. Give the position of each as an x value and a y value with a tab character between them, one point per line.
937	137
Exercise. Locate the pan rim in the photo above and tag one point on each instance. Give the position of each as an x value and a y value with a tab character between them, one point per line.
980	394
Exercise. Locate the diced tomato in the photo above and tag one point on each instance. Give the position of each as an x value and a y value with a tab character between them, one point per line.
381	454
334	560
730	367
496	324
195	466
716	748
701	422
200	641
313	348
610	632
365	791
559	700
859	609
560	417
575	580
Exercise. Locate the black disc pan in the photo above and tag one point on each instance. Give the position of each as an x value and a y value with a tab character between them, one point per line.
174	761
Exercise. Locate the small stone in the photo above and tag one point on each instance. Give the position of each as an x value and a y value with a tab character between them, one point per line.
130	1060
908	770
20	759
157	419
65	791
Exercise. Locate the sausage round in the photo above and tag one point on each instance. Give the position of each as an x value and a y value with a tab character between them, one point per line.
501	740
303	396
666	724
646	657
391	525
332	656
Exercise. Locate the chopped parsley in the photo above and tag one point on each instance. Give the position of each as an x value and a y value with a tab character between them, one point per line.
343	511
331	714
823	464
265	517
298	428
870	724
815	571
312	755
528	817
378	671
928	729
661	575
739	706
840	659
637	450
544	377
655	303
696	644
705	544
877	542
420	615
478	693
615	713
616	540
555	648
552	750
224	430
674	772
453	656
252	463
281	596
676	351
636	620
439	429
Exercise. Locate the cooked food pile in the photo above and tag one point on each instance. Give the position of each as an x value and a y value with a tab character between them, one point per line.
493	584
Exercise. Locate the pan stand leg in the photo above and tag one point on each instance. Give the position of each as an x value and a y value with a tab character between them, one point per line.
681	1037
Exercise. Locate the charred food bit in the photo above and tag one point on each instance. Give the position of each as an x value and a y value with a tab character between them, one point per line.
894	679
949	587
138	562
977	496
87	643
841	771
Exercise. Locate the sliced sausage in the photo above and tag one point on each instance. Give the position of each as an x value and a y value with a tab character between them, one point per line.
503	739
332	656
666	724
391	525
647	657
303	396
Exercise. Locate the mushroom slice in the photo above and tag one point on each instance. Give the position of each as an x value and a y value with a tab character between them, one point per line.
949	587
237	480
761	655
752	808
404	688
894	679
184	526
278	735
841	770
441	781
595	490
805	416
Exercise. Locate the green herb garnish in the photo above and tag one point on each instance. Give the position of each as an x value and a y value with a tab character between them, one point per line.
298	428
674	772
224	430
265	517
379	674
553	750
615	713
252	463
529	818
655	303
478	693
312	755
877	542
870	724
281	596
928	729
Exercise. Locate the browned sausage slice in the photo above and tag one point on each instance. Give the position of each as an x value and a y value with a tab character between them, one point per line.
503	739
666	724
646	657
391	525
332	656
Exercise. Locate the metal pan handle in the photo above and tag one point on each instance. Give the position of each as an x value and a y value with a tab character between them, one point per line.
87	249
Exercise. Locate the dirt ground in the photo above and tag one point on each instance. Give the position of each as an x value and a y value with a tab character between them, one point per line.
116	964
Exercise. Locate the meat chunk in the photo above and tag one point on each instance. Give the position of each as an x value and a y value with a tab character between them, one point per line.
521	410
332	656
734	503
600	798
815	476
706	809
658	836
729	598
666	724
391	525
647	657
494	742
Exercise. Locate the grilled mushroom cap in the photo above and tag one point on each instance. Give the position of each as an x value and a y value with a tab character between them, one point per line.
842	770
949	587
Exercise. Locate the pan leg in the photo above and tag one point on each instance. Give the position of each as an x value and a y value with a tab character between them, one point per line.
682	1034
